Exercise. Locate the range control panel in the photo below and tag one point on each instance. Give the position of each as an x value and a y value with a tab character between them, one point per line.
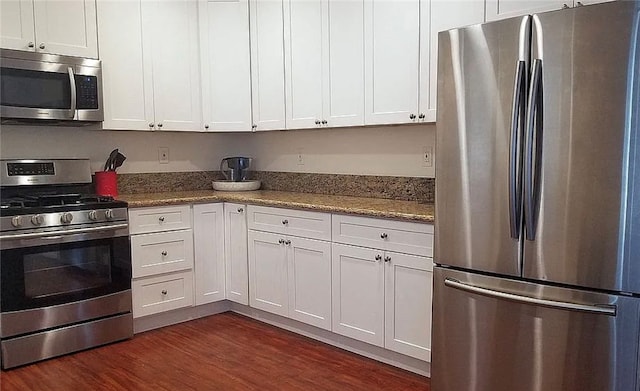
14	169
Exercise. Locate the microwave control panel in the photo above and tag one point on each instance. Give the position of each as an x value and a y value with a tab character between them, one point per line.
87	92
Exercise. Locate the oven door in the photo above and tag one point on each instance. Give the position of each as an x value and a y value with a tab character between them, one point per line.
71	269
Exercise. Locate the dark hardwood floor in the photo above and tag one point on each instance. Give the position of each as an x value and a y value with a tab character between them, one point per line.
221	352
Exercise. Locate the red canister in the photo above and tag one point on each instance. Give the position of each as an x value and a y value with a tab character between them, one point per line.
106	183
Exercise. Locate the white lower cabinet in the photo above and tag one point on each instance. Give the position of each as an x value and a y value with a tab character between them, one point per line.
162	293
208	242
268	272
383	298
235	253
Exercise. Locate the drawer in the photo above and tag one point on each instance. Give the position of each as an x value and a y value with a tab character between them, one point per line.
152	295
400	236
161	252
313	225
156	219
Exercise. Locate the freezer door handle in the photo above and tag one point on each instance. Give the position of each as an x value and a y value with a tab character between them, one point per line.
515	149
533	151
600	309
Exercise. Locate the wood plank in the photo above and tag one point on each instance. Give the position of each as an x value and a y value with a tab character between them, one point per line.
226	351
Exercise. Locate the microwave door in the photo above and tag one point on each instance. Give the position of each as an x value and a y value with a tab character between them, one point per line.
37	90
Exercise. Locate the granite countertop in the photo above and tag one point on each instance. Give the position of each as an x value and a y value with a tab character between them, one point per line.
373	207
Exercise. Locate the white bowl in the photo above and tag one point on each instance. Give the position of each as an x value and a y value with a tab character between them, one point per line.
236	186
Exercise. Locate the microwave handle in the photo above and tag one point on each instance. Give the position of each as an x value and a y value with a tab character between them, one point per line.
72	82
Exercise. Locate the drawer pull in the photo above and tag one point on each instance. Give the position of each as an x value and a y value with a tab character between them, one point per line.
240	210
384	235
387	259
378	257
161	218
164	253
164	291
285	222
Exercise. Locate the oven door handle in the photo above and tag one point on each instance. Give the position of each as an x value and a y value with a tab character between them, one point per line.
58	234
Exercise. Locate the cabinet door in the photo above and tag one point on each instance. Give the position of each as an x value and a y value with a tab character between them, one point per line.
392	32
502	9
208	246
303	63
309	275
268	272
358	293
408	293
126	70
436	16
66	27
235	253
343	63
17	29
226	71
176	64
267	64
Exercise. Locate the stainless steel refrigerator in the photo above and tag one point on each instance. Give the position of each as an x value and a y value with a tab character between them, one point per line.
537	283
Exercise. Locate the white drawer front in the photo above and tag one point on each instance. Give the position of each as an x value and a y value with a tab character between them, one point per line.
158	294
400	236
313	225
156	219
162	252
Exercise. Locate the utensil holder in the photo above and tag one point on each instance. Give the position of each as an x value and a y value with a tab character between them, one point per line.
106	183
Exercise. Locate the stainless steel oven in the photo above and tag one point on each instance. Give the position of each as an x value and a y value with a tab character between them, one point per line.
65	274
36	86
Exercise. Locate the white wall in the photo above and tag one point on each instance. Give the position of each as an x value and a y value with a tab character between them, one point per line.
389	150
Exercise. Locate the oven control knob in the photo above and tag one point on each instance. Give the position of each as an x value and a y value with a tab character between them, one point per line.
37	219
16	221
93	215
66	218
108	214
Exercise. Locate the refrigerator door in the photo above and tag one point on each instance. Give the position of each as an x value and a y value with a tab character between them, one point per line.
492	334
577	130
482	80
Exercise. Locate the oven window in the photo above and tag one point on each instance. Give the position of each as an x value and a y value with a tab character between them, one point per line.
65	271
35	89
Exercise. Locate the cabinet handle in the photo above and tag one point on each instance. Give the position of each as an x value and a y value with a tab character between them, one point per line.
240	210
206	126
421	116
384	235
164	292
378	257
164	253
287	242
160	125
161	219
41	46
285	222
412	116
151	124
387	259
31	44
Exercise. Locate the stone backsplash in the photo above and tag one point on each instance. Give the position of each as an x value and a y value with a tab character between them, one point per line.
397	188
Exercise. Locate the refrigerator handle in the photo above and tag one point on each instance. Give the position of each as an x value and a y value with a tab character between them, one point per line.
533	145
599	309
515	150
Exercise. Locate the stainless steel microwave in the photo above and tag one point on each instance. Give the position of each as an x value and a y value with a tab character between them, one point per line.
37	86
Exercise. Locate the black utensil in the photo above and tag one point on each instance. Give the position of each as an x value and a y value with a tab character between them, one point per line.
110	159
120	158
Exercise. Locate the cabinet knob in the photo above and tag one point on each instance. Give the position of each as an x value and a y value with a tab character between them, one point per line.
317	122
387	259
41	46
324	121
161	219
378	257
206	126
412	116
240	210
164	291
281	241
579	3
285	222
160	125
565	6
31	45
384	235
254	126
151	124
421	116
164	253
287	242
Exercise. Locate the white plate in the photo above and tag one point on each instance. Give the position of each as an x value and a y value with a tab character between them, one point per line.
236	186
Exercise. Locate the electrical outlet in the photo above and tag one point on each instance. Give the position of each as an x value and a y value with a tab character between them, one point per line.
427	156
163	155
300	158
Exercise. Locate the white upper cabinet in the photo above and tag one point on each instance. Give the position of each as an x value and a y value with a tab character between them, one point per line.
502	9
267	64
392	56
64	27
226	70
442	15
151	64
324	63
